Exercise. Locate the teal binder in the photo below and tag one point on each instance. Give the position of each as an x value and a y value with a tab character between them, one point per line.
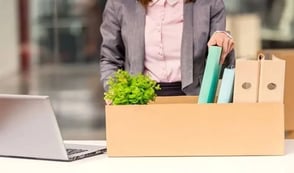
227	86
211	75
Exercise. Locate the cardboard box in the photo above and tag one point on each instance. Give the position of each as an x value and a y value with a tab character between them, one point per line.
288	55
190	129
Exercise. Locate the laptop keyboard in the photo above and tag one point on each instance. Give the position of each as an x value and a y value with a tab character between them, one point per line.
74	151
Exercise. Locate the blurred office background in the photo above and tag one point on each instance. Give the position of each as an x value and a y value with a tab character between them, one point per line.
51	47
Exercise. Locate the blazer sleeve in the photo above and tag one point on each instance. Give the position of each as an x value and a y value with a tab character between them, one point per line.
218	23
112	55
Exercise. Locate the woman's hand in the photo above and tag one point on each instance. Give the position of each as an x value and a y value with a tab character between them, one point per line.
224	40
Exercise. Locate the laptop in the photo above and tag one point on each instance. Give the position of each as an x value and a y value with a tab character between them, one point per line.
28	129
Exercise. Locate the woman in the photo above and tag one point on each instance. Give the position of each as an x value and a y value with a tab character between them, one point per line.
165	39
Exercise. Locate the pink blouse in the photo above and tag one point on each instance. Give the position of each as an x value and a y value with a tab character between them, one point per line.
163	38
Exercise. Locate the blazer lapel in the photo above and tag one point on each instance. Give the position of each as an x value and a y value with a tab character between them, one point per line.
138	39
187	46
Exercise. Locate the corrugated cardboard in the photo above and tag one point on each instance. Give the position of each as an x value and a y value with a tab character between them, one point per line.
177	99
189	129
288	55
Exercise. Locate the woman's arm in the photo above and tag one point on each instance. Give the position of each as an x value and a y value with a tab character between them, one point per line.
112	48
218	36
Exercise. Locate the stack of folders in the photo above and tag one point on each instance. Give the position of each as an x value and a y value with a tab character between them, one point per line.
260	80
211	76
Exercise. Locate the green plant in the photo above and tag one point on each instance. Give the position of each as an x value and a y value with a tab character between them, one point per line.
125	89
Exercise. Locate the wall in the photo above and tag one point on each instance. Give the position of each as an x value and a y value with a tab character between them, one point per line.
246	30
9	61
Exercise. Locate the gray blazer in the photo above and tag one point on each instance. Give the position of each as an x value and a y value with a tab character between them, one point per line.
122	31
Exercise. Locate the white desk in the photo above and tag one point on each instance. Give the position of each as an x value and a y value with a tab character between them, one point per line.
104	164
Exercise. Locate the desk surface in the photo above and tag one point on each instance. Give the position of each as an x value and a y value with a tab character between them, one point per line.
104	164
